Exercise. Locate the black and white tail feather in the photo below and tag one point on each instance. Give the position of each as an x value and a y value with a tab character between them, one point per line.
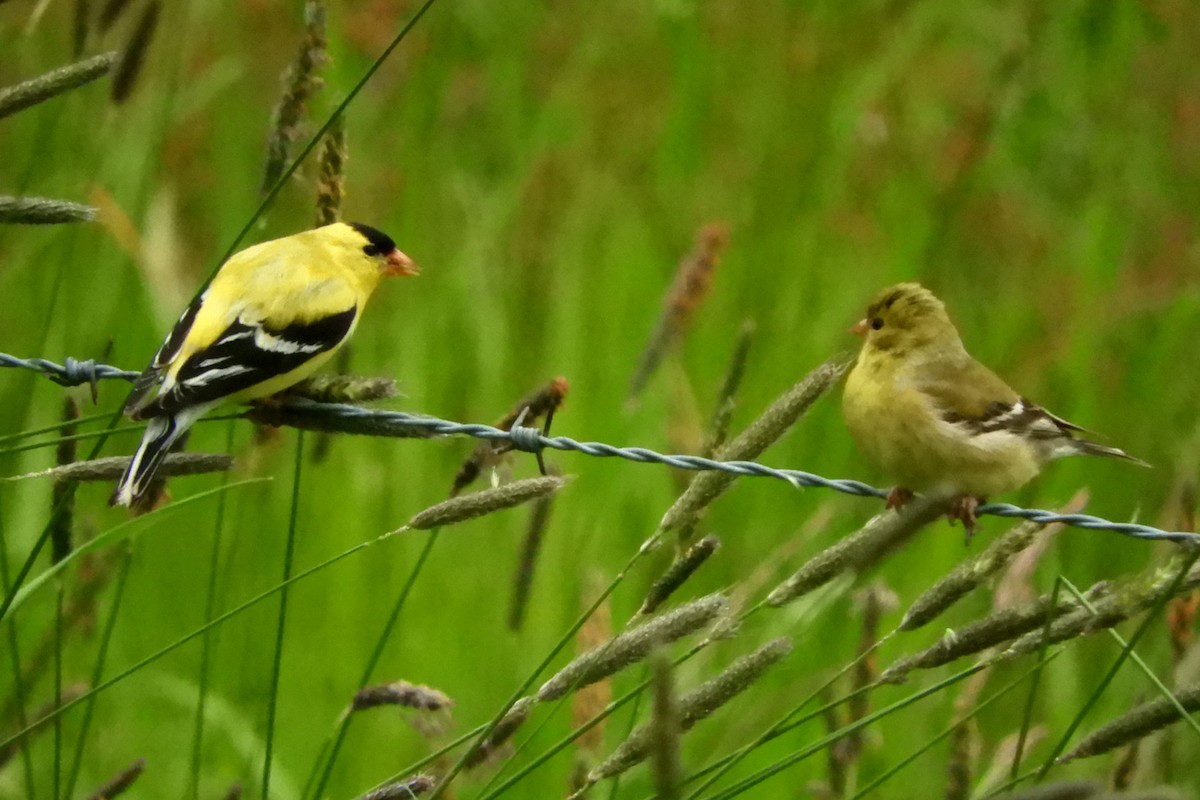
1053	436
246	354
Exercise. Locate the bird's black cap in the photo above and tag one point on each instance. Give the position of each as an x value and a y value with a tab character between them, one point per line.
379	243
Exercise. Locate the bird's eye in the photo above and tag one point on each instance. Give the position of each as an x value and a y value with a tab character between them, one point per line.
876	323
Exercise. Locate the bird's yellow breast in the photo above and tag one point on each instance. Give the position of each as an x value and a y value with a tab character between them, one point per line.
896	426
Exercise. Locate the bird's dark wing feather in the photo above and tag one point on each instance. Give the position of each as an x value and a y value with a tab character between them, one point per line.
139	397
247	354
1022	418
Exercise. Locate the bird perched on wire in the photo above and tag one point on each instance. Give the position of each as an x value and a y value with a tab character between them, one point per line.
273	314
936	419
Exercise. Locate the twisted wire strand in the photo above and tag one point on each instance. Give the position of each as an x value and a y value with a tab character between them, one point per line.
532	440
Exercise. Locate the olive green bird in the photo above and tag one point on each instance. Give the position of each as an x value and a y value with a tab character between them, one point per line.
938	421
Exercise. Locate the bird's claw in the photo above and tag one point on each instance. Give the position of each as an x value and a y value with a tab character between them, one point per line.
898	497
963	510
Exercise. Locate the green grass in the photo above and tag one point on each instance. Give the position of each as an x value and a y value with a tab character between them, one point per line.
548	165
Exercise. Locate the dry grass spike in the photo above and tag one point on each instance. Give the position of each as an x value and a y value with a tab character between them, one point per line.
503	731
110	469
133	57
331	168
682	568
692	284
406	789
300	82
120	782
401	693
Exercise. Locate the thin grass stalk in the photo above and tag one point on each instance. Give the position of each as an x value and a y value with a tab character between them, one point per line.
531	546
426	760
727	399
133	57
784	724
79	27
43	211
695	706
343	727
10	595
20	700
111	12
809	750
1143	720
36	90
266	202
666	728
43	718
1167	695
102	435
1027	716
98	670
220	620
63	502
963	720
55	428
545	662
210	606
761	434
277	663
1123	602
1150	618
121	531
60	590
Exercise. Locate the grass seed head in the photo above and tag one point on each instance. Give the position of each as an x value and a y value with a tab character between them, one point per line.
460	509
632	646
133	57
406	789
401	693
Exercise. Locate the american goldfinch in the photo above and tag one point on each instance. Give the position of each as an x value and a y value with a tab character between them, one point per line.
936	419
274	313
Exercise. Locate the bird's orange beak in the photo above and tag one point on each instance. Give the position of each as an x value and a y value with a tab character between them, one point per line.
400	264
859	328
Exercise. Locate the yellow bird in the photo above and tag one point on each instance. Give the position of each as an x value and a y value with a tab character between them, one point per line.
938	421
274	313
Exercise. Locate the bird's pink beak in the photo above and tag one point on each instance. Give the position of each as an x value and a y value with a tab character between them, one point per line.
859	328
400	264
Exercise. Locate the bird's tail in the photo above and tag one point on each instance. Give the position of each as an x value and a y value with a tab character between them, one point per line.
161	433
1094	449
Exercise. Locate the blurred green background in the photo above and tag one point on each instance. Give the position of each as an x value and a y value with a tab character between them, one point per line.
548	164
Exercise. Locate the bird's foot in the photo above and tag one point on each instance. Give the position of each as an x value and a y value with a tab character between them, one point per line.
898	497
963	510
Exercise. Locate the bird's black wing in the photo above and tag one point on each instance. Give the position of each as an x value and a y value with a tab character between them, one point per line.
247	354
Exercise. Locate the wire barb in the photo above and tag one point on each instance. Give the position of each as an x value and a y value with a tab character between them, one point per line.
532	440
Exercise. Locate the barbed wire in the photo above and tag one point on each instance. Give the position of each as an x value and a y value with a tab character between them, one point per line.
532	440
